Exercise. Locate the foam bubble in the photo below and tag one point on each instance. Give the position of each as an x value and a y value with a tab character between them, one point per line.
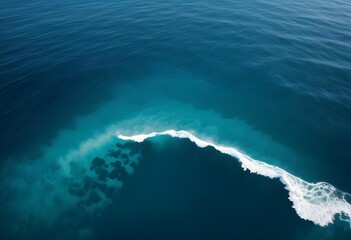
317	202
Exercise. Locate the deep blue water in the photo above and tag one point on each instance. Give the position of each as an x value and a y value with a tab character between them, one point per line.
271	78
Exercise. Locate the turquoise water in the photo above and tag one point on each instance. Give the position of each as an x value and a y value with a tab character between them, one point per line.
268	78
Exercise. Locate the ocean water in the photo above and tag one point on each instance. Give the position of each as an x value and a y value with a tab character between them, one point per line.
175	119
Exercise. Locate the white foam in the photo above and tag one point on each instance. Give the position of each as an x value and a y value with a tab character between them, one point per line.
318	202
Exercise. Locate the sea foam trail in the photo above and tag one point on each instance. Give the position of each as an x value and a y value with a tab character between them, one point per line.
318	202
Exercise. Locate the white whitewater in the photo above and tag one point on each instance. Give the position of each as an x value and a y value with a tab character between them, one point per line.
318	202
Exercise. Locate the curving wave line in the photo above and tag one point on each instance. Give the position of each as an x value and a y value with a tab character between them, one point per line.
317	202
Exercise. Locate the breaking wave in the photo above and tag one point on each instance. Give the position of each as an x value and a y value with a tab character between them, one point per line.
317	202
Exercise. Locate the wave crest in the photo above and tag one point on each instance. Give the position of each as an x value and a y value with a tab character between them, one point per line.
317	202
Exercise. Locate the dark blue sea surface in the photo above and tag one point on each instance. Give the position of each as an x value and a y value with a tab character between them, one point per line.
270	78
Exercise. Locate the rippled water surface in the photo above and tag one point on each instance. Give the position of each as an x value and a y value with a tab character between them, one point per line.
270	78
